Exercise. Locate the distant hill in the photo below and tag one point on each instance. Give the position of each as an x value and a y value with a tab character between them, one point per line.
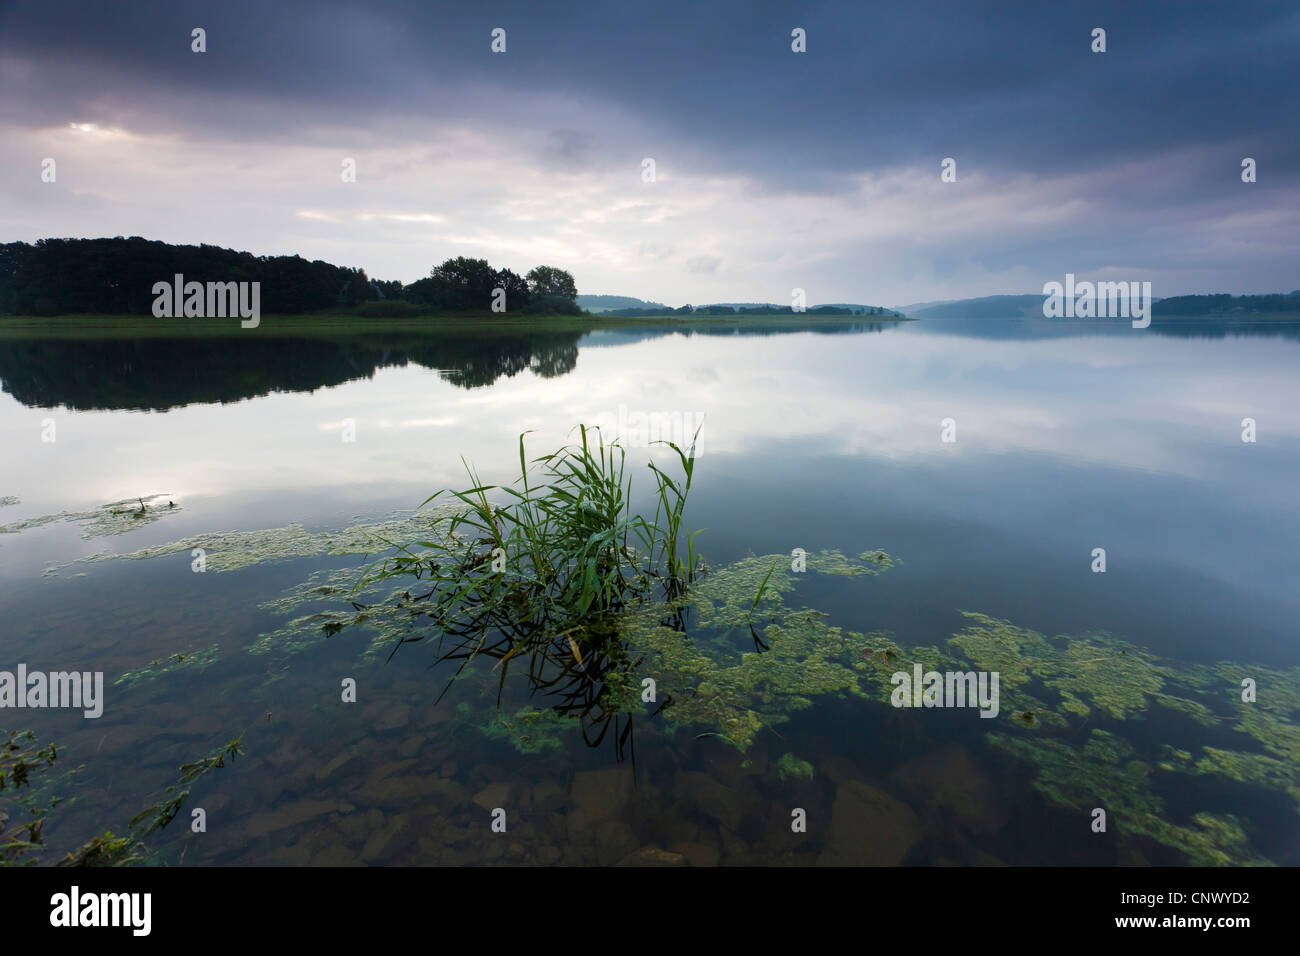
723	309
606	303
1031	306
986	307
914	307
854	308
626	306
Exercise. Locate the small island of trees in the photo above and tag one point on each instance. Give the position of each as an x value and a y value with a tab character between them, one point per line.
117	276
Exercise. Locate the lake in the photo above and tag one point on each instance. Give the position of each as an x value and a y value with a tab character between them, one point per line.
280	458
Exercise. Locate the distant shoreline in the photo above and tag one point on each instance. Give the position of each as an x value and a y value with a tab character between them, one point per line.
330	323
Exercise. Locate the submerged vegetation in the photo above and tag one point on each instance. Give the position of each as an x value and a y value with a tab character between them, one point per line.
613	618
21	757
23	766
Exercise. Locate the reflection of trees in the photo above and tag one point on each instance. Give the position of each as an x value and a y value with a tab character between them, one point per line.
158	374
473	362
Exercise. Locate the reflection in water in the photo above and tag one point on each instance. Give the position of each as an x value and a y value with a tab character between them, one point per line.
159	374
1172	327
1126	440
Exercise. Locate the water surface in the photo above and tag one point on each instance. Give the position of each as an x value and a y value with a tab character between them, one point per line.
1068	439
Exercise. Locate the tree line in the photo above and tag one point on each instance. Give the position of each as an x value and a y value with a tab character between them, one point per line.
1226	304
117	276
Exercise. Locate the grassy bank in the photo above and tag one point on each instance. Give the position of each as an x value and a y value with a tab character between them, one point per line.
330	324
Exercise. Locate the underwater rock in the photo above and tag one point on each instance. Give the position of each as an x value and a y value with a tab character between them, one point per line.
711	799
696	854
547	795
950	784
387	716
614	840
492	796
653	856
376	846
295	814
868	828
598	795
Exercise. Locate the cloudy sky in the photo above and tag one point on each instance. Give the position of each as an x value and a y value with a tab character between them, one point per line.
774	169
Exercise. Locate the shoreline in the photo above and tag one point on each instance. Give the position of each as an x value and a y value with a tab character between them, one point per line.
334	324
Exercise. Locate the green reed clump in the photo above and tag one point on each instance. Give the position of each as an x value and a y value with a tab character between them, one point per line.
554	554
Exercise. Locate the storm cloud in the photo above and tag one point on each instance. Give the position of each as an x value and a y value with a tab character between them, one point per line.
774	169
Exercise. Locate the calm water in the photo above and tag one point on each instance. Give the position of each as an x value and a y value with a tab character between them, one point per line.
1068	439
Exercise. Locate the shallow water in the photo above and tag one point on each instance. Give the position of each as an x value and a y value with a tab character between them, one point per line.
1068	438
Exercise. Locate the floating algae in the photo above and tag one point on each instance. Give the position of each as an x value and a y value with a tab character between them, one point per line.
529	730
733	694
8	500
833	562
790	767
330	584
166	665
117	517
388	620
235	550
1107	774
1086	673
744	665
1083	678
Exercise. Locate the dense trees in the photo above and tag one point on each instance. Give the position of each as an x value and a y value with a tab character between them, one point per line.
464	285
61	276
114	276
1226	304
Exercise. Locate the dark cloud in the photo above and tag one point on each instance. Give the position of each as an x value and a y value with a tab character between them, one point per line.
1011	85
1151	132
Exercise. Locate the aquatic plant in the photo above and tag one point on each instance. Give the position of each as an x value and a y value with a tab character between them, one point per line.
706	677
129	848
790	767
556	576
116	517
1107	773
22	759
555	555
528	730
181	660
236	550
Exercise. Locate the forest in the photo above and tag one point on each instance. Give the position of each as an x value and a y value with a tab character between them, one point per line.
116	277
